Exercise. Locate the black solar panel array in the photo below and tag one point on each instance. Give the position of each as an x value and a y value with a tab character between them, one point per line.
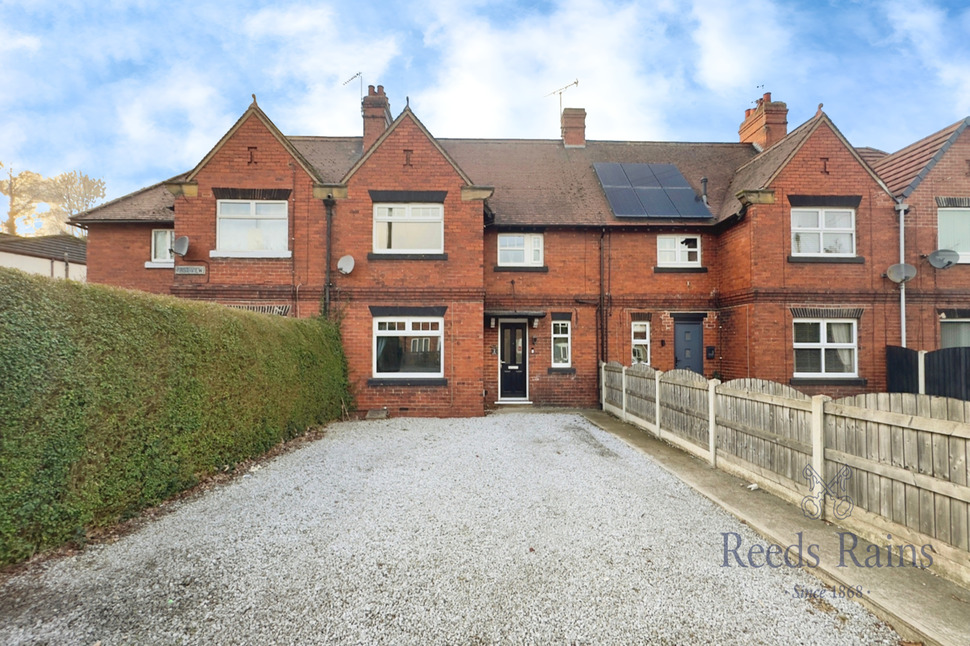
649	191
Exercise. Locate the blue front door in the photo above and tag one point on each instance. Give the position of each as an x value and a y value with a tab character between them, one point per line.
688	346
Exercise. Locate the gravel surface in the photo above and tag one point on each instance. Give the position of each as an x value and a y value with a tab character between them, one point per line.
510	529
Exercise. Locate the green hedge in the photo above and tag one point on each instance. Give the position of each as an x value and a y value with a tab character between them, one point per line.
111	401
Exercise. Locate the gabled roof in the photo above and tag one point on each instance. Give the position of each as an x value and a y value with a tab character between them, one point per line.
904	169
54	247
543	183
405	114
254	112
761	171
153	204
870	155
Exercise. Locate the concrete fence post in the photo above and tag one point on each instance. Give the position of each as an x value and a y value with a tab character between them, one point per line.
712	420
921	363
656	407
818	451
603	385
623	386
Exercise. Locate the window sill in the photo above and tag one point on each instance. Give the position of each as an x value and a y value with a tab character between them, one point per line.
561	371
848	260
524	268
680	270
159	265
827	381
407	256
215	253
410	381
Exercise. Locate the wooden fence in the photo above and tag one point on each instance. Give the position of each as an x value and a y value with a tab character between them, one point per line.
889	463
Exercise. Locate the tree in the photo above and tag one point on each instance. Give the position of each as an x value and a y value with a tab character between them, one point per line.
42	206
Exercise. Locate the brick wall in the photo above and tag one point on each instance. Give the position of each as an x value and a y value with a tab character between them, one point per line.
117	254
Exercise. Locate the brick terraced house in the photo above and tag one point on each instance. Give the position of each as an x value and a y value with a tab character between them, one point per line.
475	273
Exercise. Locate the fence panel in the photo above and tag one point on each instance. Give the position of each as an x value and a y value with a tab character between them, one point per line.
902	369
641	389
948	373
766	424
909	459
613	384
683	406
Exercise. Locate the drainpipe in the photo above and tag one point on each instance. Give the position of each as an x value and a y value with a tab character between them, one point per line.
329	203
902	207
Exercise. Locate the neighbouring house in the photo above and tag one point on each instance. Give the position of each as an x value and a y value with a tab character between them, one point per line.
57	256
475	273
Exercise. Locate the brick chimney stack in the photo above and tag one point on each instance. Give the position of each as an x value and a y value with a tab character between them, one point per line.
377	114
574	127
766	124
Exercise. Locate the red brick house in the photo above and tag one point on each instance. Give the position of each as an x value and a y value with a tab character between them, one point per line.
469	273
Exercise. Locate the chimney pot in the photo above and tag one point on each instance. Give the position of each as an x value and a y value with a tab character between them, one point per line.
766	124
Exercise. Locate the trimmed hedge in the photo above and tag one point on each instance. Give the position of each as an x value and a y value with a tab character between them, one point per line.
112	401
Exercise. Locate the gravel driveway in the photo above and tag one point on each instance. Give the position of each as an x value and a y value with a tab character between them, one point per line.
514	528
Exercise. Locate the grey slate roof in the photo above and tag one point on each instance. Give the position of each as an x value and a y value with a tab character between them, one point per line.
55	247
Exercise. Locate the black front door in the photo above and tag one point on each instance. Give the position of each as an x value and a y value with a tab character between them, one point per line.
513	360
688	345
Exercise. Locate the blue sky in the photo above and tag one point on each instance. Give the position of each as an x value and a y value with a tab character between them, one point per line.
134	92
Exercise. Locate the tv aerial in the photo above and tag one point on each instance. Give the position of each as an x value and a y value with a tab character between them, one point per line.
360	76
561	90
901	272
943	258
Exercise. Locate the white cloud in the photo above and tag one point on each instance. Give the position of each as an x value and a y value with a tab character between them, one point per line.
494	78
738	43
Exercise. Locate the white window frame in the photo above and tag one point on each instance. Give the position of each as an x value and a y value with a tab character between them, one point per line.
951	322
420	329
221	252
162	258
823	344
964	252
681	252
562	330
634	341
410	213
532	248
821	230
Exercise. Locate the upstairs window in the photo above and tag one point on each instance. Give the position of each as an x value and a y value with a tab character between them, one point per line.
408	228
823	232
953	232
825	348
955	333
520	250
678	251
408	347
253	228
162	242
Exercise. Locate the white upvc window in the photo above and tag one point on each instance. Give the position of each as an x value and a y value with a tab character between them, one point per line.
823	232
162	257
678	251
640	341
252	228
520	249
408	228
953	232
561	344
825	348
408	347
955	333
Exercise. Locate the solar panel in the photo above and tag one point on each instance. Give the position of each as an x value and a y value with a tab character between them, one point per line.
649	190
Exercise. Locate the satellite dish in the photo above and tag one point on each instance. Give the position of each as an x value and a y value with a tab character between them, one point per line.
345	265
180	246
943	258
901	272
